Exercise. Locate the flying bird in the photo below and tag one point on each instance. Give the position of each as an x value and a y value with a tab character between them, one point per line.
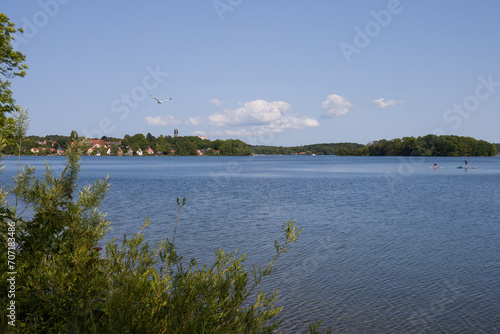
160	101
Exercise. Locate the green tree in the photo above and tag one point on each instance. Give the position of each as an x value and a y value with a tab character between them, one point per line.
184	146
11	65
59	276
138	141
163	146
64	142
234	147
227	148
103	150
151	140
217	144
432	145
114	149
408	147
342	151
486	149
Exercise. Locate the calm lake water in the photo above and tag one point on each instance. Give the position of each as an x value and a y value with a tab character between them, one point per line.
390	245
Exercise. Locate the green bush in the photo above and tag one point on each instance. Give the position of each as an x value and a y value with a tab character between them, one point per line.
64	284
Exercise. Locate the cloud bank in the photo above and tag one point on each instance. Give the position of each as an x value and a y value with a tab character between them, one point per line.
262	116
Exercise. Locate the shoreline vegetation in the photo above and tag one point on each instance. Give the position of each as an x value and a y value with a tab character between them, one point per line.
59	281
140	145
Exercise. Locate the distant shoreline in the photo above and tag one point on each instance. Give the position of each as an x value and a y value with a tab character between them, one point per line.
140	145
254	155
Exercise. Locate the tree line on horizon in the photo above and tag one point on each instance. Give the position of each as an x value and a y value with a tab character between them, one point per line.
429	145
432	145
186	145
161	145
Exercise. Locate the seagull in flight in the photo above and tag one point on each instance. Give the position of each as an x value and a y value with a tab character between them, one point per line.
160	101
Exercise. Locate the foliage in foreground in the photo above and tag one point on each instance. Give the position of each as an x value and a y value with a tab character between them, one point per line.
65	285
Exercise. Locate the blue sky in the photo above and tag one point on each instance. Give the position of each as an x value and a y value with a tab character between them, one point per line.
267	72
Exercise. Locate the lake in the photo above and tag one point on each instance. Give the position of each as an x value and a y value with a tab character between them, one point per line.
390	245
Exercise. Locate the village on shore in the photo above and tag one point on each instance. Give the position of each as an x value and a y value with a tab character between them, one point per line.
167	145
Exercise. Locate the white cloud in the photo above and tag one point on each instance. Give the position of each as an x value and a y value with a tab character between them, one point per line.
336	105
389	103
193	121
292	122
263	117
233	133
258	112
162	120
199	133
216	102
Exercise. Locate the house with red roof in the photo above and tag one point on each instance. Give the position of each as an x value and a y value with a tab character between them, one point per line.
96	143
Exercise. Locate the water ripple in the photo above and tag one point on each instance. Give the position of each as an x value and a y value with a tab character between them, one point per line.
382	251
